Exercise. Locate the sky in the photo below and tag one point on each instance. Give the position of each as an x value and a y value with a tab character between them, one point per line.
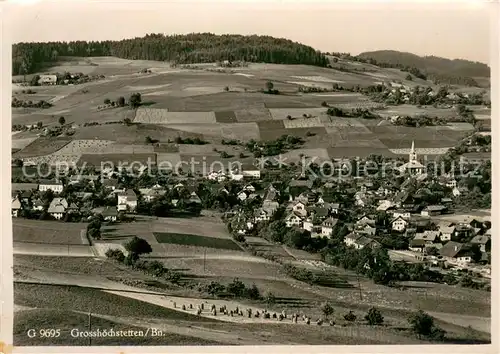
451	30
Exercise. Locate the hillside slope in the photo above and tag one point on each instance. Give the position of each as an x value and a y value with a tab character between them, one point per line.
191	48
456	71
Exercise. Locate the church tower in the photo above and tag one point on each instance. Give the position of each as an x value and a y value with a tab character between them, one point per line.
413	154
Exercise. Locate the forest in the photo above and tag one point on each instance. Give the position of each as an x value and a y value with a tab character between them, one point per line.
29	58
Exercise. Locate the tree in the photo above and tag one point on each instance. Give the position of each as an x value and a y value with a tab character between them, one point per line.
138	246
324	104
409	77
34	80
351	317
135	100
269	86
39	125
226	88
374	317
127	122
107	101
476	253
327	309
121	101
62	121
423	325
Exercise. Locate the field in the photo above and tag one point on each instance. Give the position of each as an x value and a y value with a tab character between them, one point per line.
196	240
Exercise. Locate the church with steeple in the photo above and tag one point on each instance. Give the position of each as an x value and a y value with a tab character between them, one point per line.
413	166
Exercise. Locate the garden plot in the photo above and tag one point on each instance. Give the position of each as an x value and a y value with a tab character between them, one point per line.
196	240
343	122
303	123
282	113
317	79
225	117
255	114
77	147
340	152
151	115
312	84
240	131
360	142
52	160
362	104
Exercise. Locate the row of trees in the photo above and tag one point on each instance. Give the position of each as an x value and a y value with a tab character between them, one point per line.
190	48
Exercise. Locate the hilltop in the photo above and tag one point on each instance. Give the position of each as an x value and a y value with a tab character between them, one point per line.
439	69
190	48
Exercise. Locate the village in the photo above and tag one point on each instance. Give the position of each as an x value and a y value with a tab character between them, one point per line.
413	216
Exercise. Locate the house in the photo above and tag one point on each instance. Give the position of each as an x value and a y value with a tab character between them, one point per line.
318	212
127	201
110	214
385	205
433	210
57	208
54	186
88	179
401	213
399	224
308	225
359	241
446	201
243	195
47	80
249	188
15	206
327	226
300	209
38	205
194	198
456	253
155	192
446	232
293	219
218	176
333	207
261	215
484	243
367	230
423	240
245	171
72	209
365	220
110	183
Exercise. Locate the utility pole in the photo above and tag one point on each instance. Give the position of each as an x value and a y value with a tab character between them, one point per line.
359	287
90	328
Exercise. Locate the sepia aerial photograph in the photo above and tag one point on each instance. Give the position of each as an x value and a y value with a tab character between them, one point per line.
224	173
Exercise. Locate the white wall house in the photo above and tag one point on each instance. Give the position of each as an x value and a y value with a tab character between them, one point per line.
57	208
127	201
399	224
54	186
15	207
293	219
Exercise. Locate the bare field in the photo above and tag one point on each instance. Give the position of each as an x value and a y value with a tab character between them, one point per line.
225	117
22	143
162	116
241	131
43	232
42	146
303	123
255	114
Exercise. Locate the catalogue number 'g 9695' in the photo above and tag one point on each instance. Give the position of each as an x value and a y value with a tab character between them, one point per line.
44	333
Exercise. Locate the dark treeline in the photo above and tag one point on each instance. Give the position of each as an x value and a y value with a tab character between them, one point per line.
190	48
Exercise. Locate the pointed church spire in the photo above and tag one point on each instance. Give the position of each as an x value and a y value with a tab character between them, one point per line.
412	146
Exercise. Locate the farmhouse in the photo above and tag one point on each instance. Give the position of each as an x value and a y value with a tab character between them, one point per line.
127	201
261	215
433	210
399	224
47	80
22	187
271	194
38	205
456	253
327	226
293	219
300	209
358	241
484	243
155	192
15	206
57	208
245	171
424	240
54	186
110	214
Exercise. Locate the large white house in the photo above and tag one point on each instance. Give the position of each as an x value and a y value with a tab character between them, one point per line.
293	219
54	186
399	224
15	206
412	167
